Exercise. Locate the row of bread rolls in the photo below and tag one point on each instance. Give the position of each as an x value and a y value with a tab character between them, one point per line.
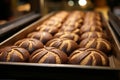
94	45
93	35
59	39
53	24
73	22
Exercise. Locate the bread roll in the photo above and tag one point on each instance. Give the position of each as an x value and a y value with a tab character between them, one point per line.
88	56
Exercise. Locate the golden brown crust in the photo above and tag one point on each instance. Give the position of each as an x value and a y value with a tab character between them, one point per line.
93	18
64	44
29	44
97	43
54	21
68	35
49	55
71	30
88	56
51	29
93	34
88	28
42	36
14	54
90	16
75	19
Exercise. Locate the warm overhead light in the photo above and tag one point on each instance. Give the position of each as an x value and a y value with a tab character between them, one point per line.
82	2
71	3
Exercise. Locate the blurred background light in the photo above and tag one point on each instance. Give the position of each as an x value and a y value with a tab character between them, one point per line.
82	2
71	3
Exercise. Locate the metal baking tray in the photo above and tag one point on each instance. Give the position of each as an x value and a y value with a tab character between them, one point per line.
10	28
114	22
59	71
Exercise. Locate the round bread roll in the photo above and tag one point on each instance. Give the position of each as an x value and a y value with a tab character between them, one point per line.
14	54
61	15
97	43
64	44
51	29
29	44
48	22
75	19
57	19
92	15
93	34
93	18
53	23
94	22
48	55
43	36
76	14
70	29
88	56
68	35
88	27
71	23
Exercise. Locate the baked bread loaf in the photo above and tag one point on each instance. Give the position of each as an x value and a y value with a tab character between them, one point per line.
64	44
88	28
93	18
93	22
92	15
71	30
29	44
93	34
97	43
51	29
14	54
75	19
76	15
53	23
72	23
88	56
48	55
68	35
60	16
43	36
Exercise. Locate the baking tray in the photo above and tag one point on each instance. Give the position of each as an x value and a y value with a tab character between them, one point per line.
114	21
11	27
55	71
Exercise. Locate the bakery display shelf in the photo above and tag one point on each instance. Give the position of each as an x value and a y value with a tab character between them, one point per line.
61	71
11	27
